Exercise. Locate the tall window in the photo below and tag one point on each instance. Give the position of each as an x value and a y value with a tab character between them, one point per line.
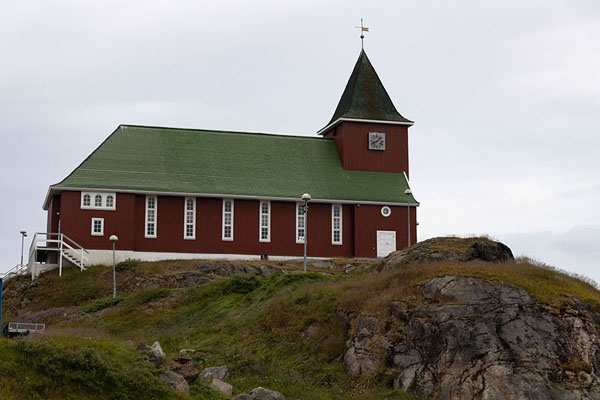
300	222
151	206
98	201
265	221
336	224
189	229
227	219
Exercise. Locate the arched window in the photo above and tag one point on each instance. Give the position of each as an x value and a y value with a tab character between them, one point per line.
110	202
86	200
98	201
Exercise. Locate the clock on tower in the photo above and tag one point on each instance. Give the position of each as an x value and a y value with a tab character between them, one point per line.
376	141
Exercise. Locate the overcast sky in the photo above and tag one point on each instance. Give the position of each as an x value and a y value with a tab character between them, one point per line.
505	96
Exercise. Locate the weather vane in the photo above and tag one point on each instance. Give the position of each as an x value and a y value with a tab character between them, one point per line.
362	35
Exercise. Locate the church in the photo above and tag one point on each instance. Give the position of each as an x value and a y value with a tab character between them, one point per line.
170	193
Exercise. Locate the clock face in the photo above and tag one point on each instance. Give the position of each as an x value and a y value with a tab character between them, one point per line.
376	141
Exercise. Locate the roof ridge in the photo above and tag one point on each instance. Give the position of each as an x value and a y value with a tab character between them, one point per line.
217	131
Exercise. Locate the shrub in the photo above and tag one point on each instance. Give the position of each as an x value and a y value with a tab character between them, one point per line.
241	284
127	264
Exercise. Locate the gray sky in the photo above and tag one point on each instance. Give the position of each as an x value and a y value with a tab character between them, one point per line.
505	96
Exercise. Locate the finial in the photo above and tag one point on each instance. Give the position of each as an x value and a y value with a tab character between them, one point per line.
362	35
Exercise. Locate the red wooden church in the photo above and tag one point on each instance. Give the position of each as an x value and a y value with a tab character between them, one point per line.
185	193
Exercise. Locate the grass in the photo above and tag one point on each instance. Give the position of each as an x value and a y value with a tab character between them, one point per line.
279	332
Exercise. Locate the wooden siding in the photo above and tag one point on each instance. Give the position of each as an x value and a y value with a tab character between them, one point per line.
53	214
128	223
369	220
351	141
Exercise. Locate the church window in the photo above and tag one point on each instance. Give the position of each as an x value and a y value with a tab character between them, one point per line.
300	222
336	224
97	226
190	218
227	219
86	200
151	208
265	221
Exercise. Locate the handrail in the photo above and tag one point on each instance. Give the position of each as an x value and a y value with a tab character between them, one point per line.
65	245
80	247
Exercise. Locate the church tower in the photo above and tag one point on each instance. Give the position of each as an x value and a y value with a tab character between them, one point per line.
369	133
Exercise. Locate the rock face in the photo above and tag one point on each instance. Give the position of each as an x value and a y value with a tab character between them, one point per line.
481	340
448	249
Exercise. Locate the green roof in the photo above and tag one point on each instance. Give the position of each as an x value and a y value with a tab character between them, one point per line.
139	158
365	97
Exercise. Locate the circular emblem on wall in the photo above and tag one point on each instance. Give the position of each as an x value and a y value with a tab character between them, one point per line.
386	211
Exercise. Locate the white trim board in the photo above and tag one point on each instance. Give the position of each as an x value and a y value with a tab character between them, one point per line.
372	121
226	196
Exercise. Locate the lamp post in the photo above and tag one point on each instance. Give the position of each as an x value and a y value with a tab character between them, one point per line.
408	192
113	239
23	233
306	198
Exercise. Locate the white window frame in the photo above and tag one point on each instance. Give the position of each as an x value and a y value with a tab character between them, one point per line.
333	230
101	233
103	196
260	221
298	238
155	222
227	239
185	219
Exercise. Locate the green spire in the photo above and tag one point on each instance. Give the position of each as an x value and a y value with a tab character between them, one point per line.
365	97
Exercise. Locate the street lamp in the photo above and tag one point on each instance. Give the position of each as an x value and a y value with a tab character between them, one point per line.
23	233
408	192
306	198
113	239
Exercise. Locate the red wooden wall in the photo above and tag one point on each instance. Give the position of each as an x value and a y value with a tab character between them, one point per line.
351	141
369	220
128	223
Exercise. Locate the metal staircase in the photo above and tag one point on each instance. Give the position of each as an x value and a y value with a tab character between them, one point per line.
49	251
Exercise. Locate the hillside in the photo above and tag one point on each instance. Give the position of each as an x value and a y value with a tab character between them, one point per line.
435	320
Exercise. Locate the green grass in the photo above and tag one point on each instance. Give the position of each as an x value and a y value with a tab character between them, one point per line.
279	332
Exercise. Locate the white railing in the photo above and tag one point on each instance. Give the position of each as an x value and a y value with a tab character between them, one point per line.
64	245
25	327
14	271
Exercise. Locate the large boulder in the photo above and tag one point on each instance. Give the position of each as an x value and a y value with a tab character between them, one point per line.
154	353
261	393
448	249
221	386
221	373
176	381
479	339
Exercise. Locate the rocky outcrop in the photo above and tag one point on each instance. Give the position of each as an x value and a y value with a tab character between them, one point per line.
450	249
475	339
186	367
